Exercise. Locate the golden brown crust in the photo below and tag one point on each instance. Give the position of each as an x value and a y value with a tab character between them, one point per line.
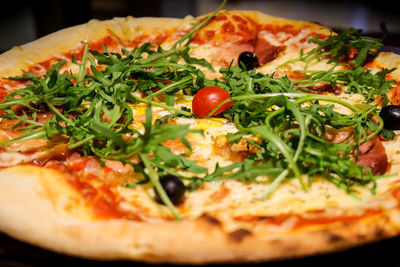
38	206
34	217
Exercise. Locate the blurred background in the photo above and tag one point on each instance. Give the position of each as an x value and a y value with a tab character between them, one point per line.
23	21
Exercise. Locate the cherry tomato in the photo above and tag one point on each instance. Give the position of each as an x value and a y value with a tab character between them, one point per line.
209	98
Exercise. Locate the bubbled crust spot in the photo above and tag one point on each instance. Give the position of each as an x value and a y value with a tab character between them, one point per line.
239	234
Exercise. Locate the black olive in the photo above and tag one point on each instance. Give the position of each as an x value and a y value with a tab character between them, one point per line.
174	188
249	59
391	117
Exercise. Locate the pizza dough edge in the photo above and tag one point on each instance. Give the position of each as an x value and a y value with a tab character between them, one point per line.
28	214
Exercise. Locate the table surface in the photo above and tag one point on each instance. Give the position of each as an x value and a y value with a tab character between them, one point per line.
383	253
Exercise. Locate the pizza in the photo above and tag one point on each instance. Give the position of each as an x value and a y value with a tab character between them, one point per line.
232	137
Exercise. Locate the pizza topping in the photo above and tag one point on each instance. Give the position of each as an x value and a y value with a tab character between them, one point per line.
250	91
207	101
360	80
322	88
391	117
227	28
266	51
373	155
342	47
173	187
228	54
283	128
339	136
248	59
278	112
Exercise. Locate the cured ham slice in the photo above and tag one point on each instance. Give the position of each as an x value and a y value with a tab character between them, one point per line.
373	155
265	51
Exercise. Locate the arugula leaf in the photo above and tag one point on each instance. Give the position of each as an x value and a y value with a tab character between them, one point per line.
358	80
338	47
293	134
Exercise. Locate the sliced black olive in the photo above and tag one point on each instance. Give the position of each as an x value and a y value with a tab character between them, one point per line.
174	188
391	117
249	59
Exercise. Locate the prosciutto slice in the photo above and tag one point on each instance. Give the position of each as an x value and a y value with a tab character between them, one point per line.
373	155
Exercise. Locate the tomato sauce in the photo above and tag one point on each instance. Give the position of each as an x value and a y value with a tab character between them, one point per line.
109	41
232	29
228	27
154	40
104	203
3	94
286	28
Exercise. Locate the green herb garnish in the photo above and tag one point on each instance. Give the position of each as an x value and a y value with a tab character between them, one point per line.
339	48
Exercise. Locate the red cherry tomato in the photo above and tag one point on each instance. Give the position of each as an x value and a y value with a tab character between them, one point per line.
209	98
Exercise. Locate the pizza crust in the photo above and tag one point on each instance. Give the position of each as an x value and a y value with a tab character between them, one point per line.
33	217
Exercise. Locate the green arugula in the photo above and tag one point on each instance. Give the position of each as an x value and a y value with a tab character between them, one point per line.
338	46
293	125
358	80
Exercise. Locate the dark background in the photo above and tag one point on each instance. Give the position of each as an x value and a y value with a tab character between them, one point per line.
23	21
